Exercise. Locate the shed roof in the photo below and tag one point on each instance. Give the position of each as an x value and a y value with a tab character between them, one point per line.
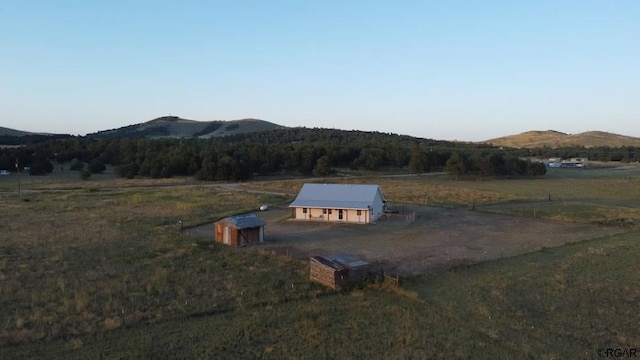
340	261
336	196
246	221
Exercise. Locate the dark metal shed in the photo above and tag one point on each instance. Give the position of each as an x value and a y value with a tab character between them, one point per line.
338	270
239	230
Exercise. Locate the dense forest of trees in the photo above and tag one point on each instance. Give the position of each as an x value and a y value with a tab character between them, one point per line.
291	150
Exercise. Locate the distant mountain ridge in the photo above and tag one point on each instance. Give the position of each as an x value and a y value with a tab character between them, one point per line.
12	132
176	127
556	139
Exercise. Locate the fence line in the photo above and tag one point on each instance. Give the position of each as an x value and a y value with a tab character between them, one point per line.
395	280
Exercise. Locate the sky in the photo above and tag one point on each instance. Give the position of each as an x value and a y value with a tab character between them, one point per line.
448	70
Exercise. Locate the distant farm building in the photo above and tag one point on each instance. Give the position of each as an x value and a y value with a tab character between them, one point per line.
567	163
337	271
239	230
349	203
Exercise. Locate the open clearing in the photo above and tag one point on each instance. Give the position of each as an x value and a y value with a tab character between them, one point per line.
438	237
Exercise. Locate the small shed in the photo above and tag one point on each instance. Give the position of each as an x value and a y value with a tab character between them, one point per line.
239	230
338	270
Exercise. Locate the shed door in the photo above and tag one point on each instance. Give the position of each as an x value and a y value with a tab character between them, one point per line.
227	235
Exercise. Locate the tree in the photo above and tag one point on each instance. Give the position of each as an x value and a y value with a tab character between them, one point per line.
456	165
96	166
371	158
207	169
41	166
537	169
323	166
417	161
77	166
128	171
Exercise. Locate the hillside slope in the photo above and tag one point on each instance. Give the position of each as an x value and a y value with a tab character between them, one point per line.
555	139
12	132
176	127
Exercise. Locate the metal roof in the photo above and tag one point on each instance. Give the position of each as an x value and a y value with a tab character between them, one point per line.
340	261
336	196
246	221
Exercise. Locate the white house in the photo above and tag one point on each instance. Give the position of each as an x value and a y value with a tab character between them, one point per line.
349	203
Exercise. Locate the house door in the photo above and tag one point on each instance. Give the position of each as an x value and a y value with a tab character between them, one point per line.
340	214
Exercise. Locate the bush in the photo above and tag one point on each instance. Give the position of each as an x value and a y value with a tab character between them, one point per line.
41	167
96	166
128	171
77	166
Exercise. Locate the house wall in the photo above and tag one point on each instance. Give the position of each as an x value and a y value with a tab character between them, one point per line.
377	207
348	215
341	279
322	274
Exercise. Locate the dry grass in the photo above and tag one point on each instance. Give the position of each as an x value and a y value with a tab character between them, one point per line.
77	261
602	196
554	139
414	189
411	190
559	303
103	272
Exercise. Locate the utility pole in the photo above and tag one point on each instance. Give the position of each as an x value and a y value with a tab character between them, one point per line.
18	173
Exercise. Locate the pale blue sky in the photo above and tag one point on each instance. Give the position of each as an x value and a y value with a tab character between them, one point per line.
465	70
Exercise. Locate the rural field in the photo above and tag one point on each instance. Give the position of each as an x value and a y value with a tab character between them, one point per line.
542	268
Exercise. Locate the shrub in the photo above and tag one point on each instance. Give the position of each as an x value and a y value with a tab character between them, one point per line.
96	166
77	166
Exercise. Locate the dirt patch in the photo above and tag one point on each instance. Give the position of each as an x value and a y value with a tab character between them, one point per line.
435	238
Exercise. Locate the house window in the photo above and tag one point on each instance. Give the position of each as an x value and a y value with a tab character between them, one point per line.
304	210
339	214
329	211
359	212
324	211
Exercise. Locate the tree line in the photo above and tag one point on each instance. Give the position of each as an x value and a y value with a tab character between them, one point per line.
301	151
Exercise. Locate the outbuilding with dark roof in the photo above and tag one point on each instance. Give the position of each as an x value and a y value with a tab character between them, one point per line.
337	270
239	230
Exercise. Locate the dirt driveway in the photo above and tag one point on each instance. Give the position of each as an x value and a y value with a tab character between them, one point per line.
437	237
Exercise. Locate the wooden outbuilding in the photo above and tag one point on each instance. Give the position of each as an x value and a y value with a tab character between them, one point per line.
239	230
338	270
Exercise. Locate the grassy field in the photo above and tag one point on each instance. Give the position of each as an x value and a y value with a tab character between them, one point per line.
99	269
602	196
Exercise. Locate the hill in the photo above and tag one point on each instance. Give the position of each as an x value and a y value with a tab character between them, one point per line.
12	137
556	139
12	132
176	127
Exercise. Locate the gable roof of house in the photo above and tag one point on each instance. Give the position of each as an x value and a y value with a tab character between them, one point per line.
337	196
245	221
